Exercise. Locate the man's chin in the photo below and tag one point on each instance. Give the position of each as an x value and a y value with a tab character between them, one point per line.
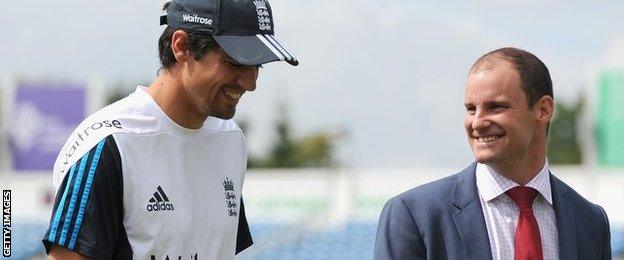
225	115
485	157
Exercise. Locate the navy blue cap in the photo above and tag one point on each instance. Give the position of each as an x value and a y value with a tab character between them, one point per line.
244	29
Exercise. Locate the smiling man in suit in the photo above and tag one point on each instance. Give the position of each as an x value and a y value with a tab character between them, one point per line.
506	205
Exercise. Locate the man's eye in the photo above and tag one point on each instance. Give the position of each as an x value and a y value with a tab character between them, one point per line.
497	107
237	65
234	64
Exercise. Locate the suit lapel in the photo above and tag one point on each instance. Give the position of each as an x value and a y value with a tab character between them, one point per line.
468	217
566	220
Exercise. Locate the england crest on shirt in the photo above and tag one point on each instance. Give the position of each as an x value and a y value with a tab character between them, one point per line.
231	201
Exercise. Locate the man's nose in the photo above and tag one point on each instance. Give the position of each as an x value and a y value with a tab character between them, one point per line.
247	79
480	120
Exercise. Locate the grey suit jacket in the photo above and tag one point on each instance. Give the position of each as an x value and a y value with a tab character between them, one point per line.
444	220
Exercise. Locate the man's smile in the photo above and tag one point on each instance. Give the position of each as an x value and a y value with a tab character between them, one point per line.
233	94
489	138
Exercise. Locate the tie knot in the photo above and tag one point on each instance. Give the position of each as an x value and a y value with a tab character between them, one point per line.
522	196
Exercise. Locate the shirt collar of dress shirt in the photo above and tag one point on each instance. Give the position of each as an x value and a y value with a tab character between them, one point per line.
492	184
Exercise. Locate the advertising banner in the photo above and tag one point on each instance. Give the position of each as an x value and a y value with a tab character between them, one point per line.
610	119
42	117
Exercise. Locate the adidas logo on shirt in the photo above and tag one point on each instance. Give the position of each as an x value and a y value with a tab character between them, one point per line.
159	201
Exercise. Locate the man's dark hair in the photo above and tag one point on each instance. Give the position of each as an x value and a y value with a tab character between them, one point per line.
198	44
534	76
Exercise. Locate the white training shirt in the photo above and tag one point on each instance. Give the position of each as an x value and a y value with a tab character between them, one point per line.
131	183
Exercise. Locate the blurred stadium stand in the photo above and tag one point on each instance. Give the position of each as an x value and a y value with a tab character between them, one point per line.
353	240
275	241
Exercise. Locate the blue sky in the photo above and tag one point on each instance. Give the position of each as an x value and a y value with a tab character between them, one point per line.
391	73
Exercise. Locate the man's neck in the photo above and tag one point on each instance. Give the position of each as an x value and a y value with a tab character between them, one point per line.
522	171
169	94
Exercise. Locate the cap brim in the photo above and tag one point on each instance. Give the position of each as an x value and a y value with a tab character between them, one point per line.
254	50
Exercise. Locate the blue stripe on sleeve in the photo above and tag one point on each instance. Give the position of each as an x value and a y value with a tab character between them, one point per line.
85	194
61	206
74	197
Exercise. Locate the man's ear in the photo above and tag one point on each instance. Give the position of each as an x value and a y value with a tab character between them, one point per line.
545	108
179	46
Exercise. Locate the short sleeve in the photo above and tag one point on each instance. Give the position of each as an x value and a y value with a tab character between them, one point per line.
243	237
87	216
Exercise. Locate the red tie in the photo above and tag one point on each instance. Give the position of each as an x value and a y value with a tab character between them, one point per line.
528	241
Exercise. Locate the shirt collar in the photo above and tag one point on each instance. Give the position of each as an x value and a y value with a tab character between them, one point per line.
492	184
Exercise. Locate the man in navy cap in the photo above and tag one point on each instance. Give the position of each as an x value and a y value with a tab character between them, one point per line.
159	174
